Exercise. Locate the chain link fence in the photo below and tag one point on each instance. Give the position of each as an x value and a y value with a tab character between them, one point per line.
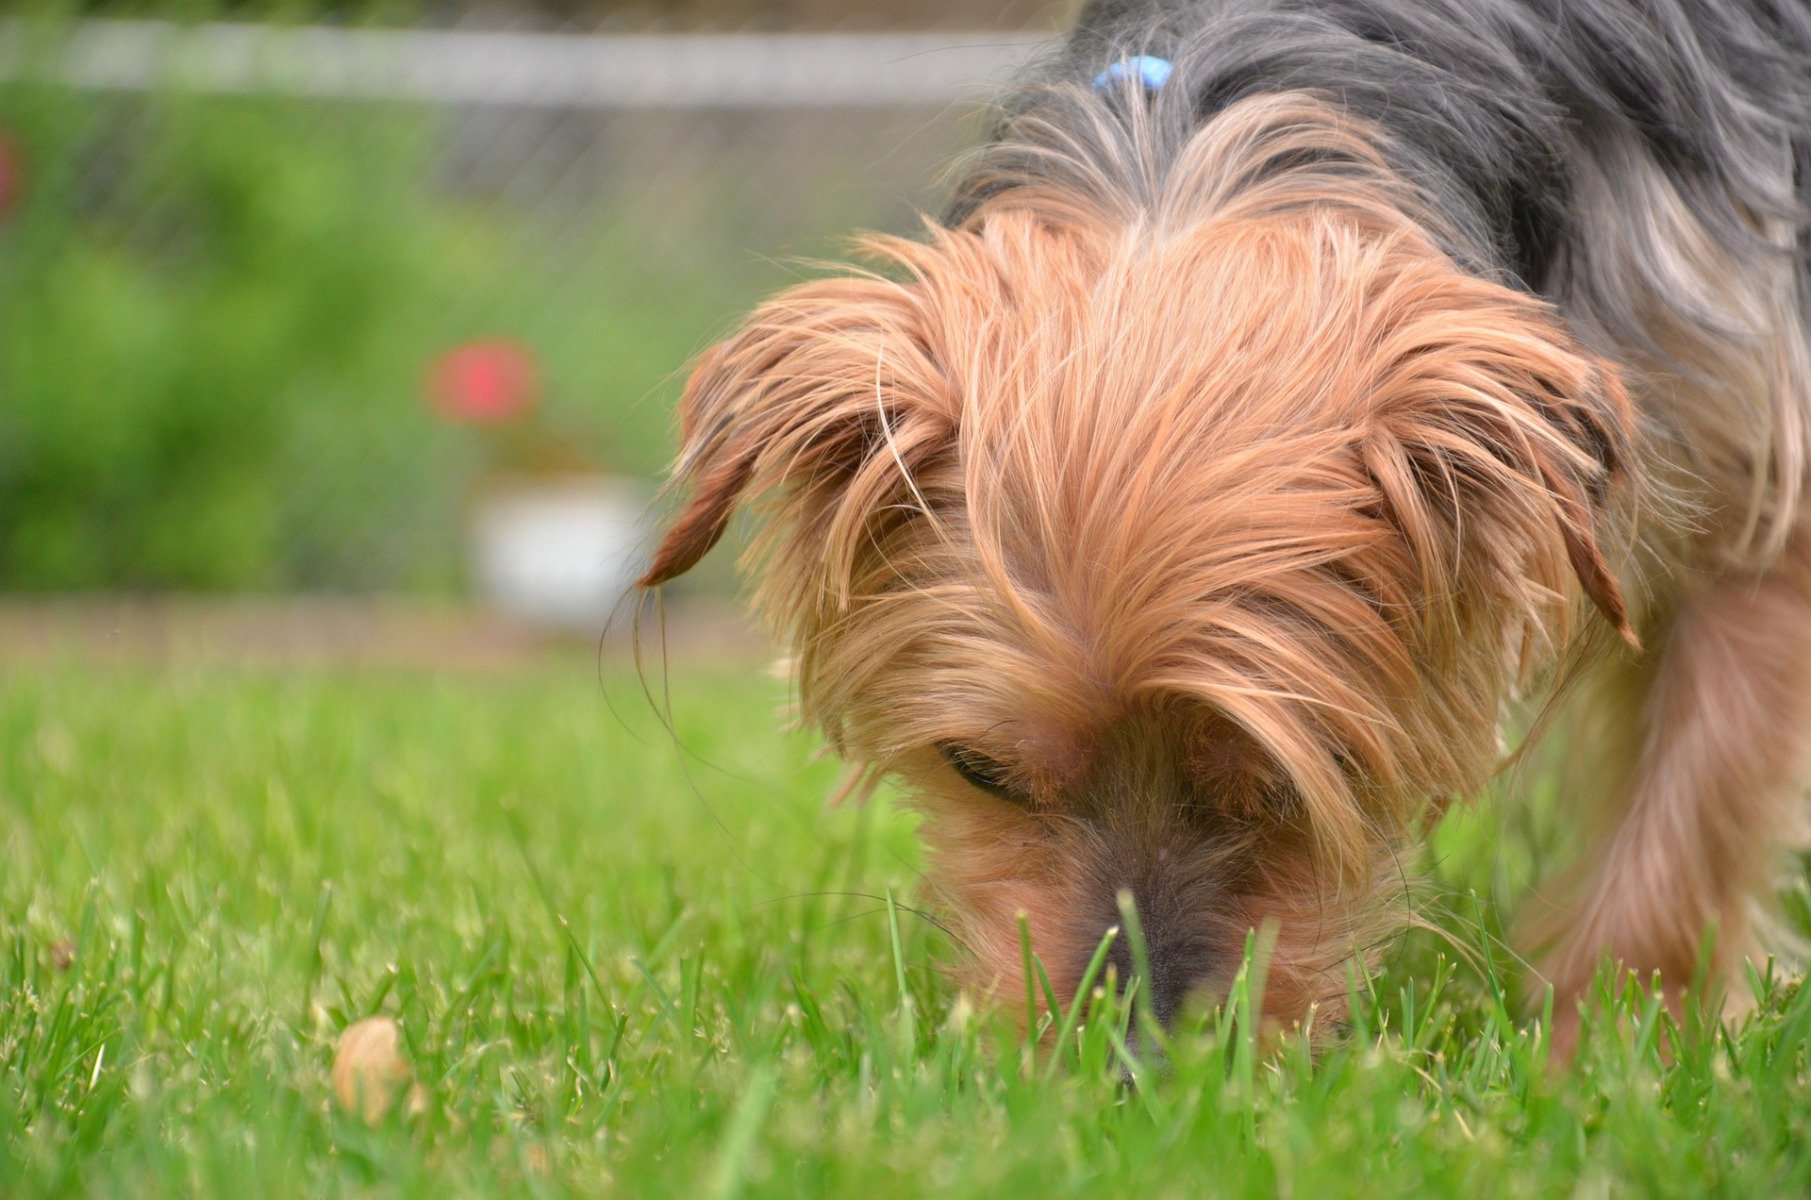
234	261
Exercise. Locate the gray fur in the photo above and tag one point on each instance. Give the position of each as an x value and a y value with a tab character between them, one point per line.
1489	103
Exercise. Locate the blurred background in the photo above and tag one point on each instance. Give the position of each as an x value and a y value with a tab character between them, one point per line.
355	327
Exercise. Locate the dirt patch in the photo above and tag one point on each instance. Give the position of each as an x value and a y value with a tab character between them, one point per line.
293	632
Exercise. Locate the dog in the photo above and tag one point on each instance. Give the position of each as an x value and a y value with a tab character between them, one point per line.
1297	398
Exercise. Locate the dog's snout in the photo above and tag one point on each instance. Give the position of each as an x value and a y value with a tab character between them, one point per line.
1176	964
1162	986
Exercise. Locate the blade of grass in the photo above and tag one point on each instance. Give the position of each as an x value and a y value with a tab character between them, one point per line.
1072	1017
908	1024
730	1171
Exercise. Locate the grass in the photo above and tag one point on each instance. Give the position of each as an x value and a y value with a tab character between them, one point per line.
624	970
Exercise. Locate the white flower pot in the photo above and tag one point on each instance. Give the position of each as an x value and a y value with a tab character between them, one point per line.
560	552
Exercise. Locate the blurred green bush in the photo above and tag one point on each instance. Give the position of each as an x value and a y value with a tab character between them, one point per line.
168	361
215	314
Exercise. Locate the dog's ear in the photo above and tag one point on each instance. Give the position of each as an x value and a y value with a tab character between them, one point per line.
821	380
1497	441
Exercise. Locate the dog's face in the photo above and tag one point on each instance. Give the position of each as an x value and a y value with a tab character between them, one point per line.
1192	561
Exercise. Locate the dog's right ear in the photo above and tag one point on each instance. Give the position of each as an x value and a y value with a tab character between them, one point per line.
800	402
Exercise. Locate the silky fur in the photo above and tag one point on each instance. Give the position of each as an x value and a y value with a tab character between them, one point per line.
1220	472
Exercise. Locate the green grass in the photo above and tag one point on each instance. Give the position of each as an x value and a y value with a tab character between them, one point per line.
621	970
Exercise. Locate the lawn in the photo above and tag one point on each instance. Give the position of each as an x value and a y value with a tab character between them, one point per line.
622	968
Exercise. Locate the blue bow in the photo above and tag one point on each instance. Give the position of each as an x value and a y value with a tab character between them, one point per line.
1150	72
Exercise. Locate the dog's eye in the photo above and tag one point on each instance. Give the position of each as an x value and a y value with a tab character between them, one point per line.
976	769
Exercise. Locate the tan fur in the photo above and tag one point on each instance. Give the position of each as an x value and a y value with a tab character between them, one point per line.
1232	528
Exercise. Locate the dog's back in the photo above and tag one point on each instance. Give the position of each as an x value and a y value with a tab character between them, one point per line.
1492	102
1644	165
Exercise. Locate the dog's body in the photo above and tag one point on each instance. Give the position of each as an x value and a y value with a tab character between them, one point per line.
1197	509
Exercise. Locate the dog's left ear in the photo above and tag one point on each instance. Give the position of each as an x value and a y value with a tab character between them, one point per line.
1499	433
828	396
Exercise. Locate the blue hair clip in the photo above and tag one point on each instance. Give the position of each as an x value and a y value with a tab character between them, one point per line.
1151	73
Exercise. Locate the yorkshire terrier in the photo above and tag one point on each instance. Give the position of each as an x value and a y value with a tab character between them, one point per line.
1297	398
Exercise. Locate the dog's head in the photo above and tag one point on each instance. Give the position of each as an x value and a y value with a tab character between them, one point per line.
1192	552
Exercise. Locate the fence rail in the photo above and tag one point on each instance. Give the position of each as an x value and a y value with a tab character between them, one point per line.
548	70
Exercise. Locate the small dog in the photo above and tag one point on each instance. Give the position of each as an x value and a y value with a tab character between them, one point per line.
1297	395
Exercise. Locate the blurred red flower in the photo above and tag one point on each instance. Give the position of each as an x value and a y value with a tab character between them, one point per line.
12	176
484	383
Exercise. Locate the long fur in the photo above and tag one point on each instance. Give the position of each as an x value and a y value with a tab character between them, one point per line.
1233	459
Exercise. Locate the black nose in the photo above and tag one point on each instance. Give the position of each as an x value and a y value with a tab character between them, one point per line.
1170	979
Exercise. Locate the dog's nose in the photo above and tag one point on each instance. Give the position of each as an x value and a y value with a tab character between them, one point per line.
1170	977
